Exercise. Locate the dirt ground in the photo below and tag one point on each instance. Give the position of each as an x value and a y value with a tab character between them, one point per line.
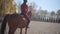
37	27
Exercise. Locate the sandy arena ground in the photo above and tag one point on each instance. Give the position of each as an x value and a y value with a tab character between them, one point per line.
37	27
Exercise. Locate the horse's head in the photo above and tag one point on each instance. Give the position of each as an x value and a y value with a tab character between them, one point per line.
30	14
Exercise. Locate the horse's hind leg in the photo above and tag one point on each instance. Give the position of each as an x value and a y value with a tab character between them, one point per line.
11	30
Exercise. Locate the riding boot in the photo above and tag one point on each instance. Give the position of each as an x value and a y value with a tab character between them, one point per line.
28	23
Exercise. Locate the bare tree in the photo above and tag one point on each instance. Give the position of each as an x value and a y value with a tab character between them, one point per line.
58	12
52	13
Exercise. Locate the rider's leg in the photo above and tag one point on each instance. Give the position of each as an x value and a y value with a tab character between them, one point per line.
28	23
28	19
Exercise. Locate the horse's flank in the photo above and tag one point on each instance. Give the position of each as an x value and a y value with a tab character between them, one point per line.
15	20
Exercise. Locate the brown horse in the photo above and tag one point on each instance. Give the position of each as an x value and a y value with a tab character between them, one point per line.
15	21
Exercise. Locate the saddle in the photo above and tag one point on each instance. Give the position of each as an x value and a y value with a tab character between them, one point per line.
24	18
22	15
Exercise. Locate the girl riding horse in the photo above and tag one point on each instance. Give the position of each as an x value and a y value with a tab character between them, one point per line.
14	21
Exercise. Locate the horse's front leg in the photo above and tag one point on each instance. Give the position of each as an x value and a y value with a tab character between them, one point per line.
26	30
20	30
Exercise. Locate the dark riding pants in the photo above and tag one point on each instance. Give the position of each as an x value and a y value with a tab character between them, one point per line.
28	21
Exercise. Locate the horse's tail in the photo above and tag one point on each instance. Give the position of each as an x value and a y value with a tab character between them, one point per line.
3	26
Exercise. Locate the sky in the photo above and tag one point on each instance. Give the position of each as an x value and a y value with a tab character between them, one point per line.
50	5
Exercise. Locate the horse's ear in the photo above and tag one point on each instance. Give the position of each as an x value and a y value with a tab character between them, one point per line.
29	11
